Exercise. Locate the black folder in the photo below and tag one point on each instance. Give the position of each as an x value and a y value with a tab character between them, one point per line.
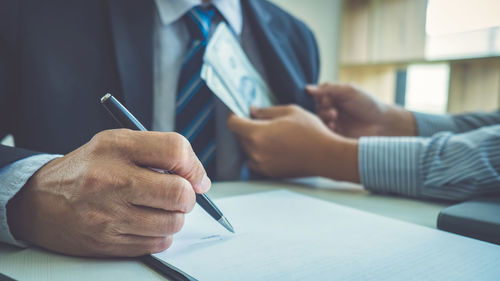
5	278
167	270
478	218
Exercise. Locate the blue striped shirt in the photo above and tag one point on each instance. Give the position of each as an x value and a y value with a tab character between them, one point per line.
454	157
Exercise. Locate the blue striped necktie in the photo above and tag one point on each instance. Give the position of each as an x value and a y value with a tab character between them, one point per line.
195	103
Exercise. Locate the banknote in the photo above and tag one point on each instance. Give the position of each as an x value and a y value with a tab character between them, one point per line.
216	84
231	76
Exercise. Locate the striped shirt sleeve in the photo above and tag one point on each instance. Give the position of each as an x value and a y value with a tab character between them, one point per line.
430	124
12	179
445	166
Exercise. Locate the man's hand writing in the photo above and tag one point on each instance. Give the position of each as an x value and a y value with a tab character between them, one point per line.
103	200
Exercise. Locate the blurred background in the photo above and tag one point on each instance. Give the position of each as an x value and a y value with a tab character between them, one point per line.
433	56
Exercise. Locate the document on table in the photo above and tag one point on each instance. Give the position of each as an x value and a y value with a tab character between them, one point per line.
281	235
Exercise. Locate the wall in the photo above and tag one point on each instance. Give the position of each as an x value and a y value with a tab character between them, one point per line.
323	17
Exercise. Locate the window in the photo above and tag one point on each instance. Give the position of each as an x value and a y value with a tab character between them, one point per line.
462	28
427	88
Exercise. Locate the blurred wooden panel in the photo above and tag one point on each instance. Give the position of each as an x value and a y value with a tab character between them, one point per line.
381	31
474	85
354	40
380	81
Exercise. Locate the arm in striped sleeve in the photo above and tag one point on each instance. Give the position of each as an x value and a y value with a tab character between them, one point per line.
430	124
445	166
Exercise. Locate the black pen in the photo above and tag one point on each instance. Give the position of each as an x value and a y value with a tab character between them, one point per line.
127	120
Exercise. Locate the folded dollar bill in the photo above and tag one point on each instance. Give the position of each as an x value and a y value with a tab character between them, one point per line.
230	75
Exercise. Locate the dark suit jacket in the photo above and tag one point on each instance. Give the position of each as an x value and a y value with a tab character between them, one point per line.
58	57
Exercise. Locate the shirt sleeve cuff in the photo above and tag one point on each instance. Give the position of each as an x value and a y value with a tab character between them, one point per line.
13	177
430	124
391	164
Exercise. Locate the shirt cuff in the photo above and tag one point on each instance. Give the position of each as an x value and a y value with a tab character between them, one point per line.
12	178
391	164
430	124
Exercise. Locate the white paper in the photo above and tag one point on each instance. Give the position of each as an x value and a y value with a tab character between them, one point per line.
281	235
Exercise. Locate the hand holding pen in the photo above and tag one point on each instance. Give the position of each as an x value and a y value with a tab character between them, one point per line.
101	200
127	120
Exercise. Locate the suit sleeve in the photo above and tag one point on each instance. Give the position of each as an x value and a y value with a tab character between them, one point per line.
3	86
9	79
314	57
12	178
307	52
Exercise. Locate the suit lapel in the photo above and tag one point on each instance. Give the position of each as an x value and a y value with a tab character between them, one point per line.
284	73
132	33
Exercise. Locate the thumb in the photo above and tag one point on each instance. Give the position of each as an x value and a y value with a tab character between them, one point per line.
329	94
333	90
271	112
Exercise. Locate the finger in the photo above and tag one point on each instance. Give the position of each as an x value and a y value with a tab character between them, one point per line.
168	192
316	90
324	102
331	126
324	89
167	151
128	245
143	221
335	92
271	112
241	126
328	115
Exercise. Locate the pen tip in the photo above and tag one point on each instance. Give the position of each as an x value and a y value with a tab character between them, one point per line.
225	223
105	97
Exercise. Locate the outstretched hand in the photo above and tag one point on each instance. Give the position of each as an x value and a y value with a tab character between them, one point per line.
351	112
288	141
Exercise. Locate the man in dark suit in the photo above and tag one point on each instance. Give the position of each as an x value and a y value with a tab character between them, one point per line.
57	58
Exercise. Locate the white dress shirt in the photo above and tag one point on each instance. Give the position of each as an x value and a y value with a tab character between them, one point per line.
170	44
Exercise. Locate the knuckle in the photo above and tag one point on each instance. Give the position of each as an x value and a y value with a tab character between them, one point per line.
111	139
160	244
255	138
101	242
103	140
257	158
175	223
181	149
179	141
182	195
293	108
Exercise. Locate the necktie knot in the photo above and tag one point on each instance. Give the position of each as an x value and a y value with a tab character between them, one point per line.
199	20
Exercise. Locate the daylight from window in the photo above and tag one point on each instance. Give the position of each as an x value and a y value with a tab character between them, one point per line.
462	28
427	87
